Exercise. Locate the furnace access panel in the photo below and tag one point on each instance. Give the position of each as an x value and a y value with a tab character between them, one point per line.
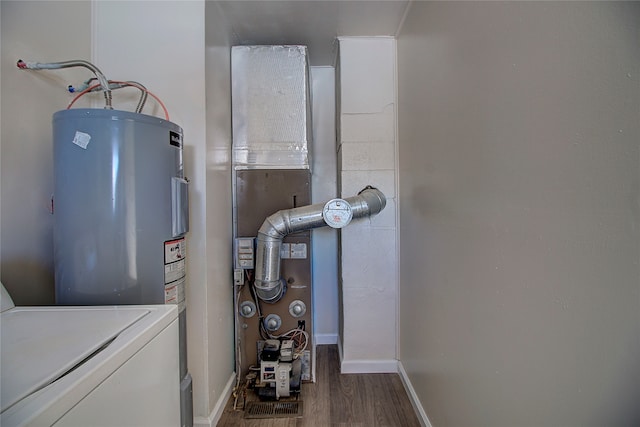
260	193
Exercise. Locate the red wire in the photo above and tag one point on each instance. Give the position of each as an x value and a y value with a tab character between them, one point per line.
90	88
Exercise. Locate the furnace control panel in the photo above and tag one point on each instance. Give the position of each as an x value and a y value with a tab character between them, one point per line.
244	253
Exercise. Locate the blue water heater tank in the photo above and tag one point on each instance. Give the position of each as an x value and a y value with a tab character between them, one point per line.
120	208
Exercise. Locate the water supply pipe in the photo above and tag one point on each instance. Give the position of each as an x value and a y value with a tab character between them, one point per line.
104	83
268	284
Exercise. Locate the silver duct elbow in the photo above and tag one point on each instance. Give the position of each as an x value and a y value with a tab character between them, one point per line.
268	284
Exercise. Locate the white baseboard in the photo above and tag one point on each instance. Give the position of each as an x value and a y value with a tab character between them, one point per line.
369	366
413	397
326	339
218	409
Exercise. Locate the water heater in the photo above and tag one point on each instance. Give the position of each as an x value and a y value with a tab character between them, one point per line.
120	208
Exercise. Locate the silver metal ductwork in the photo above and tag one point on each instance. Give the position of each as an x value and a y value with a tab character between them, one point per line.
336	213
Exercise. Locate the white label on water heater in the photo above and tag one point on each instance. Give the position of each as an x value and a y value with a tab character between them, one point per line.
174	294
81	139
174	272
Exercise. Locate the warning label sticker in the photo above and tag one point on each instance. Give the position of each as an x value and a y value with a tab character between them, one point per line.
175	272
174	250
174	292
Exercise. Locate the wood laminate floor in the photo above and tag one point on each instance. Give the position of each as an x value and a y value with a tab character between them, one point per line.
359	400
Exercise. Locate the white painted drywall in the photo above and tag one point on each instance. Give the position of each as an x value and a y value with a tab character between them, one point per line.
367	156
29	99
324	187
519	139
217	329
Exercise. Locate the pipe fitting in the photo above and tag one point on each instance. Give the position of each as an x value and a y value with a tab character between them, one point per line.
268	285
31	65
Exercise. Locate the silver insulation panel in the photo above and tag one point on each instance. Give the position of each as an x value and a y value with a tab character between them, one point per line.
271	107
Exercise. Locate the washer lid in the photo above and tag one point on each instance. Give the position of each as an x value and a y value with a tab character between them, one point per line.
40	345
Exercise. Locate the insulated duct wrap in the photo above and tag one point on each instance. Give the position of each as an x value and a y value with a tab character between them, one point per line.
268	284
271	109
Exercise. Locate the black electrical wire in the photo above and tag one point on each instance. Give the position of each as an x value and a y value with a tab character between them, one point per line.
262	330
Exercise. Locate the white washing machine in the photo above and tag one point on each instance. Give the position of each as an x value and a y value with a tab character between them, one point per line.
89	366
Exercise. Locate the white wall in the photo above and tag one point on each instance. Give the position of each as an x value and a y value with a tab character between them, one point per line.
216	328
324	187
29	99
367	156
520	209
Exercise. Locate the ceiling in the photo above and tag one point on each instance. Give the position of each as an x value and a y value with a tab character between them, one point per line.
314	23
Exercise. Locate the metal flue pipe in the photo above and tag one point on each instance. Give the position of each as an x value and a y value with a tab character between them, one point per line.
268	284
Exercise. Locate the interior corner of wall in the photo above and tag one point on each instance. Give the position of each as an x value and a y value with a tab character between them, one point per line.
94	5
